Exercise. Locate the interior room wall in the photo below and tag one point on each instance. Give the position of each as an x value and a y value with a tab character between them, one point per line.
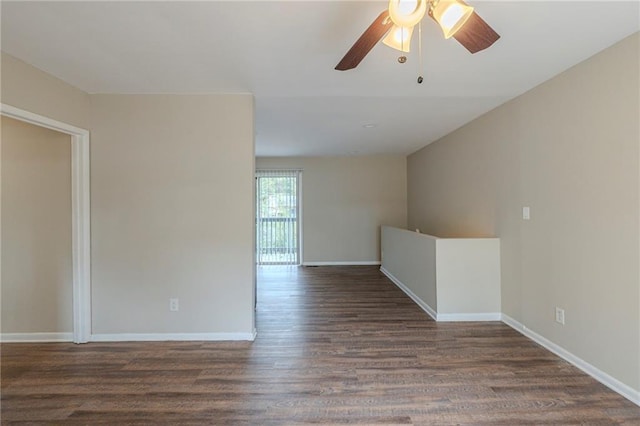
36	276
568	149
172	204
26	87
172	179
345	200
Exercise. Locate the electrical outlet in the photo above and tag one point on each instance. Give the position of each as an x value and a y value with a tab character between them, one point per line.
174	305
560	316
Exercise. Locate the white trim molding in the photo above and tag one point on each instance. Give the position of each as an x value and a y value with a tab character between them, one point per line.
80	212
604	378
178	337
452	317
425	307
35	337
484	317
344	263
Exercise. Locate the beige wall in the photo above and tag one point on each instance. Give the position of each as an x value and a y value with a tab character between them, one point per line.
171	199
36	229
172	213
26	87
345	200
569	149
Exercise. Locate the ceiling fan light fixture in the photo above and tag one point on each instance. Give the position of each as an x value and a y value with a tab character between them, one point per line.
451	15
399	38
407	13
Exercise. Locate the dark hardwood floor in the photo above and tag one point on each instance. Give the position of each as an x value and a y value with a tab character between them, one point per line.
335	345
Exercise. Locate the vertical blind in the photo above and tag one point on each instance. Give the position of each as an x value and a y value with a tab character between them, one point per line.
277	217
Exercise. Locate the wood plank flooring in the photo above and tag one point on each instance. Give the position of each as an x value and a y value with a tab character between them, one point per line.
335	345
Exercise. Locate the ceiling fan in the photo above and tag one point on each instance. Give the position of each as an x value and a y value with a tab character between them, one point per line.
456	18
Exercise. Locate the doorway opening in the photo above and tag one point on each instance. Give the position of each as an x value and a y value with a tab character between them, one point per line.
80	218
36	233
278	227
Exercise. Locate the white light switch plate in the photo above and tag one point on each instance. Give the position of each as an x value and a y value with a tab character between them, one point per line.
526	213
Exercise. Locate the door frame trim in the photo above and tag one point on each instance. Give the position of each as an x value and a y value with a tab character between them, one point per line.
80	214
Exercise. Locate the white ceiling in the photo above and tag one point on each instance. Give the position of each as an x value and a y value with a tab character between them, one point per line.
284	53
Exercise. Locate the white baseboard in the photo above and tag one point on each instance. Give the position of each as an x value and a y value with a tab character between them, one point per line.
336	263
428	309
489	316
611	382
604	378
454	317
165	337
35	337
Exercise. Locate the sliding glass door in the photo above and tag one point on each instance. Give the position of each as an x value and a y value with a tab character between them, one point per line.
278	218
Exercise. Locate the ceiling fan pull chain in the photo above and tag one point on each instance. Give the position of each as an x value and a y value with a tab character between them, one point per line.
402	59
420	63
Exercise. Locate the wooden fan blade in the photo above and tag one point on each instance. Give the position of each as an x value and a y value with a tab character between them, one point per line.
476	34
365	43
